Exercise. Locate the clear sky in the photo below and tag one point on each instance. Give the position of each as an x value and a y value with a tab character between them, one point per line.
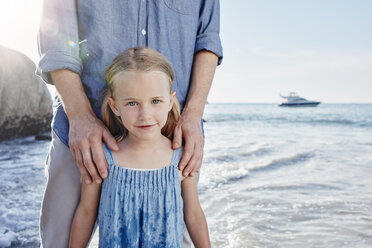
321	49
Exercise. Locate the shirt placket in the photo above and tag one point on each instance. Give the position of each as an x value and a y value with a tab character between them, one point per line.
142	24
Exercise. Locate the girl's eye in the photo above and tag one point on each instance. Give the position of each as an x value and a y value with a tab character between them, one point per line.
155	101
132	103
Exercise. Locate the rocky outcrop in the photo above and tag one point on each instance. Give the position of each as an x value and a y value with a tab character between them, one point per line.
25	102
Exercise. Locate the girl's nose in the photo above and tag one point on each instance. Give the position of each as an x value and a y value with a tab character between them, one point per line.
144	112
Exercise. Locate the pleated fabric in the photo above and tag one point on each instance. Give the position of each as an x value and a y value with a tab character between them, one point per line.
141	208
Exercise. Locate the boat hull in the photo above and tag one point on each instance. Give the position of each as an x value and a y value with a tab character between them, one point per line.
304	104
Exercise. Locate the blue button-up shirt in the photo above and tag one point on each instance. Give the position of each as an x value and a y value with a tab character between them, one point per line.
85	36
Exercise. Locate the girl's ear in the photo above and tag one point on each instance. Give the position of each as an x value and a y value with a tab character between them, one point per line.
171	102
113	107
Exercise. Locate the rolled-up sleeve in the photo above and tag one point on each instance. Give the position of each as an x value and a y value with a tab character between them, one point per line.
208	36
58	39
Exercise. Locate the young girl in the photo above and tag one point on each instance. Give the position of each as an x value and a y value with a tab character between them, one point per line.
144	201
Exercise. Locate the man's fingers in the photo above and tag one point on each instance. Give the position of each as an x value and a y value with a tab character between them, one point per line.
188	151
195	158
88	163
177	137
109	140
99	159
198	154
189	167
195	162
80	164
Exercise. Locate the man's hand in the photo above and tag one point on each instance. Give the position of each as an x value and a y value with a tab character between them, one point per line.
85	141
86	130
190	129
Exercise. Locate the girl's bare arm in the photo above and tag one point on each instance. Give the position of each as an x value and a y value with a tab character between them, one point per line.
193	214
85	215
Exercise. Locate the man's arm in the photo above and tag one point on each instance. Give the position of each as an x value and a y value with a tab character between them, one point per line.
208	53
86	131
189	126
60	64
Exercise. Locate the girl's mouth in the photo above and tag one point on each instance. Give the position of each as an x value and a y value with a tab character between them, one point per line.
145	126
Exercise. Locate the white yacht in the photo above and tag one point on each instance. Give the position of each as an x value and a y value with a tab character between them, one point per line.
293	100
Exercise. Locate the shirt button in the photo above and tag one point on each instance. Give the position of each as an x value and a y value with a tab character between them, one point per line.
143	32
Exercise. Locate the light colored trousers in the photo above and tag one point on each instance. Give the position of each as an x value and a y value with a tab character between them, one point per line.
61	197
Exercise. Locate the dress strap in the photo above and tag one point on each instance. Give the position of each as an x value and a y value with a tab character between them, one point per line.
108	154
176	156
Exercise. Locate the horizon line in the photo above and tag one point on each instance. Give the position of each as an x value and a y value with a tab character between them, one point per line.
209	102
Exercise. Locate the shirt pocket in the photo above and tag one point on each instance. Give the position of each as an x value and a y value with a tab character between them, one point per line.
184	7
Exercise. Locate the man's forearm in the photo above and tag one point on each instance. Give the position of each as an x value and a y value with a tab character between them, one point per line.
71	92
204	67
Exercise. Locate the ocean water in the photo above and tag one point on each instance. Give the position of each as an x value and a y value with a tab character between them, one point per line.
271	177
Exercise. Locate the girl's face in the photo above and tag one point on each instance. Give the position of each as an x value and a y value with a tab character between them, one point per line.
142	100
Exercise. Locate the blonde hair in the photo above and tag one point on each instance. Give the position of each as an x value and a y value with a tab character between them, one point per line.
137	59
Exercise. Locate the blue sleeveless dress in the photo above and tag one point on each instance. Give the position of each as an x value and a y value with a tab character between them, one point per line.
141	208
